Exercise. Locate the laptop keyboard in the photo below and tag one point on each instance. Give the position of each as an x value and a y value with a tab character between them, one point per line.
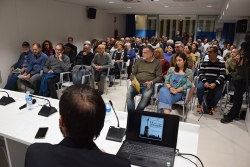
149	150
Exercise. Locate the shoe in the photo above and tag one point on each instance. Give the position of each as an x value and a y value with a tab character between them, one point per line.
111	84
198	108
226	120
212	111
100	92
117	77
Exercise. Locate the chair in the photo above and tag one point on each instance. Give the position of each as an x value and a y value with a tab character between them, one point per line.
107	76
3	157
123	70
65	82
152	97
184	103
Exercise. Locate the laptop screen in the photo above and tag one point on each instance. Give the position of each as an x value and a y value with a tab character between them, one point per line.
153	128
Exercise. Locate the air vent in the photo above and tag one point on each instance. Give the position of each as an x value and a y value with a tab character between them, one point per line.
184	0
132	1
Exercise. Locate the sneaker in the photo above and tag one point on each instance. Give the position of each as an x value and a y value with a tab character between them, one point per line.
212	111
226	120
198	108
111	84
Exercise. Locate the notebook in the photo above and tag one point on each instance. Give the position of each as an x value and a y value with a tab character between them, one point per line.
151	139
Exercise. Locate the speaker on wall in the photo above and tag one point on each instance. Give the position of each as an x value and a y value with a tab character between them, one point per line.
91	13
241	26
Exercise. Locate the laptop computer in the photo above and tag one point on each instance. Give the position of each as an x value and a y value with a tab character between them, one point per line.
151	139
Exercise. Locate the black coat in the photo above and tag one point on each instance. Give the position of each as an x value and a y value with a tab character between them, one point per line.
70	154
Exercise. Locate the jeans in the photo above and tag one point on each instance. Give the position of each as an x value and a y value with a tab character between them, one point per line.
240	89
213	97
146	95
167	99
12	78
111	78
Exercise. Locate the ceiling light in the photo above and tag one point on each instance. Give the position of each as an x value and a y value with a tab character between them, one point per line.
111	2
128	7
166	6
223	13
209	6
179	15
155	0
227	5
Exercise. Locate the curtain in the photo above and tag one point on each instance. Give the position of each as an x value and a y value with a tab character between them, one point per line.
228	32
130	25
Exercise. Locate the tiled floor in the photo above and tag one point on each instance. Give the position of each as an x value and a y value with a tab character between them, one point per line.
220	145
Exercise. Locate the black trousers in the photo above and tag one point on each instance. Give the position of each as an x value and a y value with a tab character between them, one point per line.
51	87
240	89
129	70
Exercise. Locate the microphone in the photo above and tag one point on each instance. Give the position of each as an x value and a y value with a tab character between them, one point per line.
115	134
45	110
6	100
25	105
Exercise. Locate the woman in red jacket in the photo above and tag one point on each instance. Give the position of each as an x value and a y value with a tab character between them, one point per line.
159	55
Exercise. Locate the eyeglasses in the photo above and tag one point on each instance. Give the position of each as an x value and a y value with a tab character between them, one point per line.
58	49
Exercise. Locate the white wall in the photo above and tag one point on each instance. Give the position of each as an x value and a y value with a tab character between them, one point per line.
38	20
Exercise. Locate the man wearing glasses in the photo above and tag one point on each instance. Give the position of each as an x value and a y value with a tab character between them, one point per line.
54	66
211	77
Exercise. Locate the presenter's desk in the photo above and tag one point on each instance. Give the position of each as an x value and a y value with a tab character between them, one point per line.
19	127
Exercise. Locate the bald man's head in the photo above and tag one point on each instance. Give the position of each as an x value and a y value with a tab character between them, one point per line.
101	49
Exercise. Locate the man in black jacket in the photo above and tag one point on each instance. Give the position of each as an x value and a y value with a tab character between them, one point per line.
84	57
80	126
20	66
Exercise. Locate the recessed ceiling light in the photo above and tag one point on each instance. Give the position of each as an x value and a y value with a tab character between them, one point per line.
128	7
209	6
179	15
223	13
166	6
111	2
227	5
155	0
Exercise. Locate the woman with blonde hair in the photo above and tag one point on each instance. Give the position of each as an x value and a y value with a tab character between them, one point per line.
159	55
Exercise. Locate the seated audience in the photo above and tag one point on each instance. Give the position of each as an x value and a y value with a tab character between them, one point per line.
32	72
177	36
70	40
147	72
101	62
80	126
158	54
205	44
131	56
153	41
179	48
84	57
189	54
119	56
54	66
138	46
177	81
70	52
169	52
47	48
21	64
201	48
196	53
211	77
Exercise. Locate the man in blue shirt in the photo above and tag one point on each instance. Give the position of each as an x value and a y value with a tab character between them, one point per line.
20	66
32	73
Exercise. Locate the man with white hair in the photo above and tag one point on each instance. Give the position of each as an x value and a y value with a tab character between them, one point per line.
170	41
127	40
137	46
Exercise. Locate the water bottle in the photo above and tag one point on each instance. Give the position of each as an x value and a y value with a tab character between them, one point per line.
108	113
28	101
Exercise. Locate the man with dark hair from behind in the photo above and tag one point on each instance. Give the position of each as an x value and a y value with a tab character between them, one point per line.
79	126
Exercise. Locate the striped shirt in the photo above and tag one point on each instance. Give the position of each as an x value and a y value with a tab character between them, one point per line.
212	71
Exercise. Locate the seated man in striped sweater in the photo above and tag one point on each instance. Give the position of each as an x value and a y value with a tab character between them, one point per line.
211	77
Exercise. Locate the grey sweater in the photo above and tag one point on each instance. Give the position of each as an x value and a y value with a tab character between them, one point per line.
56	65
104	61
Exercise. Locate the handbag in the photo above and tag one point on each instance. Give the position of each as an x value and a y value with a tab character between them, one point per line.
77	76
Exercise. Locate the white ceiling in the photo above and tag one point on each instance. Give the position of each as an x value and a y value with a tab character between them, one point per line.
237	9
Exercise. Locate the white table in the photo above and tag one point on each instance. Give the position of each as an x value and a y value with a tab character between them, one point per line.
19	127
